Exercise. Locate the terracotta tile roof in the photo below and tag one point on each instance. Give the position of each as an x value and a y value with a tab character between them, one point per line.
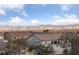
48	36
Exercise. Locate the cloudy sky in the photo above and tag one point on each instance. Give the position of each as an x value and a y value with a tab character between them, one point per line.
36	14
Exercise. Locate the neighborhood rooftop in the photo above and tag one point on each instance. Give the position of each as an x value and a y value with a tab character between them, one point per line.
48	36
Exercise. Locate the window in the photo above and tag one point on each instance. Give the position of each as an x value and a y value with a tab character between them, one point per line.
77	31
55	42
52	42
14	38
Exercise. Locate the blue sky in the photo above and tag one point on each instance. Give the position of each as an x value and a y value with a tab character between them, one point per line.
37	14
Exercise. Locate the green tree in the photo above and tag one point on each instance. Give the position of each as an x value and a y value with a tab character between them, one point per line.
16	45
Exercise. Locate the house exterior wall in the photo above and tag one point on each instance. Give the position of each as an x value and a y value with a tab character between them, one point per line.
33	41
58	47
3	43
50	42
1	37
45	42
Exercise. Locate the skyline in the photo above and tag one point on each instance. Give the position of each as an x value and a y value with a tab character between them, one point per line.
37	14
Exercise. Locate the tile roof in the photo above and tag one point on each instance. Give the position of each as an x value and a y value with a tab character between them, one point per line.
48	36
18	33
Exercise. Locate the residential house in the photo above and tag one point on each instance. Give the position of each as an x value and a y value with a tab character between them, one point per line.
3	44
46	39
16	35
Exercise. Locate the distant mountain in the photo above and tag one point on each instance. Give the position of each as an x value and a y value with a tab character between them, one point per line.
71	26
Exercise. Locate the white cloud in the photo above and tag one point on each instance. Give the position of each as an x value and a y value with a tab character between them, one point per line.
17	21
68	19
2	12
19	8
73	16
65	7
35	22
56	17
11	6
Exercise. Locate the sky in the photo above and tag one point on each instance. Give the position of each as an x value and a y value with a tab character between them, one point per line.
38	14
